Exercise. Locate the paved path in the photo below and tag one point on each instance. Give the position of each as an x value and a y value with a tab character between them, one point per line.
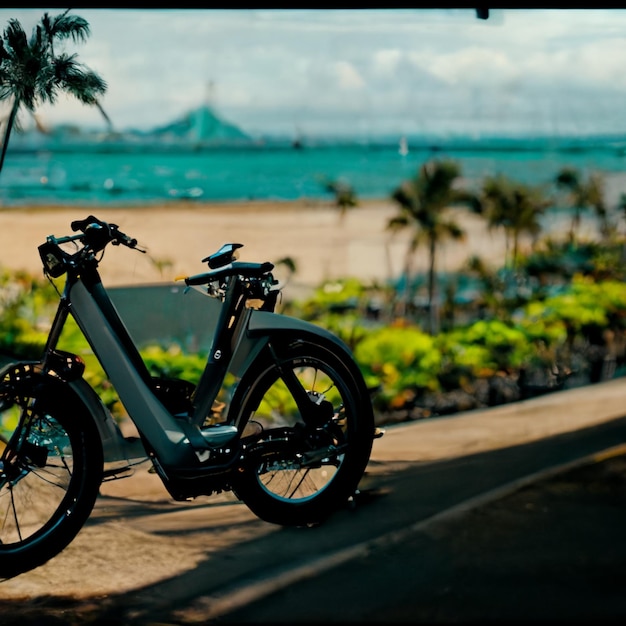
464	433
157	554
548	552
502	426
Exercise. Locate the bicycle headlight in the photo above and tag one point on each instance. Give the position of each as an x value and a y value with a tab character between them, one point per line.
55	261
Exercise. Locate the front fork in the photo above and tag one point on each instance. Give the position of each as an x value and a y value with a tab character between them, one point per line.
19	454
314	408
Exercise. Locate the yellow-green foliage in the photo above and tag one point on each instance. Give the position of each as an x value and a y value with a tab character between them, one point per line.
609	295
541	328
399	359
335	295
26	306
338	291
486	346
348	327
585	304
172	362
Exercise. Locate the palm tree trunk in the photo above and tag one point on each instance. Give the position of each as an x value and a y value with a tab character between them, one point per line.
7	133
408	292
433	308
507	248
388	262
104	114
575	225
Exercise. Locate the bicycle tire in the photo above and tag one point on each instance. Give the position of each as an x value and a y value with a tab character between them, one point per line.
326	460
50	472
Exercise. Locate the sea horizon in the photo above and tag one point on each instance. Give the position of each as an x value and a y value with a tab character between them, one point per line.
110	173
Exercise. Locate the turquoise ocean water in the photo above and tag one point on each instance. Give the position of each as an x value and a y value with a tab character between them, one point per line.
90	177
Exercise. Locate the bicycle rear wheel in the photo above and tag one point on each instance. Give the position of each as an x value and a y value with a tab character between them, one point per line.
316	430
51	467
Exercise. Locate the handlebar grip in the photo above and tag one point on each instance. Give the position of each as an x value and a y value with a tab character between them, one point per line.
118	237
113	234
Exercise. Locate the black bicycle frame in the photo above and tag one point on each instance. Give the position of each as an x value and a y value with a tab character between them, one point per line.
181	446
175	441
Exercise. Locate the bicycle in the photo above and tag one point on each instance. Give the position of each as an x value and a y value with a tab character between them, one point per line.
292	443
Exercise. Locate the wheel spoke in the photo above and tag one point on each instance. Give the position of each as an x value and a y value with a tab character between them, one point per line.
46	444
316	430
286	475
15	516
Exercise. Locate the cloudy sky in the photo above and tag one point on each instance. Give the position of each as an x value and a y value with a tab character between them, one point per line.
356	72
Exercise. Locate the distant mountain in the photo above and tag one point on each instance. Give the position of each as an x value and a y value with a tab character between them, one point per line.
198	128
202	128
200	125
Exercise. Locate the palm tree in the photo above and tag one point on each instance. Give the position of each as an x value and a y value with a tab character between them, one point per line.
514	207
345	196
289	264
489	298
31	73
423	201
583	195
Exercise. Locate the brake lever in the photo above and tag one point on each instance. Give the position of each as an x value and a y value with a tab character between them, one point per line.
120	238
132	244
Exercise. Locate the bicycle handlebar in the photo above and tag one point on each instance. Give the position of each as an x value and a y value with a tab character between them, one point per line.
97	234
94	234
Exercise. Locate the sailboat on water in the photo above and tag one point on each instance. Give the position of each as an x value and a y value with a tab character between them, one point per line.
297	142
403	149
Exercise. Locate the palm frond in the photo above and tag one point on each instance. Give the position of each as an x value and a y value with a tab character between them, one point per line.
15	38
397	223
568	178
80	82
65	26
288	262
453	230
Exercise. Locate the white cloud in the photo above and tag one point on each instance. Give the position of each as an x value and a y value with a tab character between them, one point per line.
386	61
424	68
472	65
348	77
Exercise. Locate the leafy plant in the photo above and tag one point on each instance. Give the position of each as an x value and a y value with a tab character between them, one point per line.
26	305
403	361
486	347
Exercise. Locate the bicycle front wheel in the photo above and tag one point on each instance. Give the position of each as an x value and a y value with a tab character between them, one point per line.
316	427
50	472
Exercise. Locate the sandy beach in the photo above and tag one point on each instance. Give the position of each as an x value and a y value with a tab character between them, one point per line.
177	236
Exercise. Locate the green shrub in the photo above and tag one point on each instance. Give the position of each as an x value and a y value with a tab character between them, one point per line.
349	327
587	305
402	360
27	305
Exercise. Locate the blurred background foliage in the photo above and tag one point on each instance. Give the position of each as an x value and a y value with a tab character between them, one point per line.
552	315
